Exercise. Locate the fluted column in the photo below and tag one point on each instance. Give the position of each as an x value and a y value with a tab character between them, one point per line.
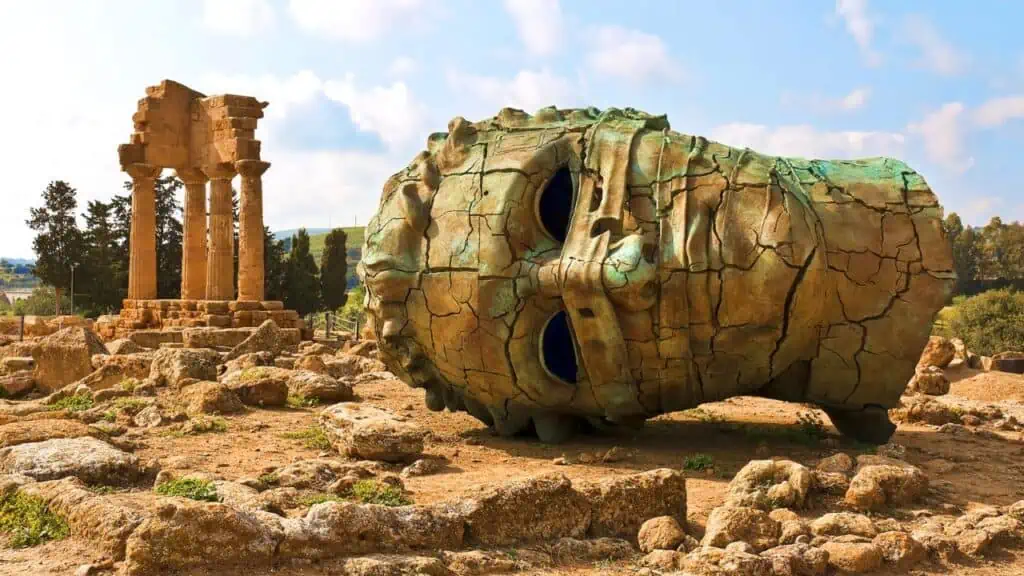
221	253
250	230
142	259
193	243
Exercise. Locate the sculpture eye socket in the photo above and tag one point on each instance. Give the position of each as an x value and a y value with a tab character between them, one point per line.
555	203
557	349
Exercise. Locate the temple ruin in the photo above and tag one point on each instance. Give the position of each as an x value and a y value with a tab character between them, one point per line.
204	139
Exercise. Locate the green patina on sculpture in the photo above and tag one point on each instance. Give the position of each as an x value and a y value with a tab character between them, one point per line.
586	266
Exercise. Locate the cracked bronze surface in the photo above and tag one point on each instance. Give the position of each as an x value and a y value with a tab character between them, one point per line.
690	272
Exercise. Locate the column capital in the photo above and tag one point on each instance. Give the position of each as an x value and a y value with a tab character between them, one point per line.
221	171
191	175
251	168
141	171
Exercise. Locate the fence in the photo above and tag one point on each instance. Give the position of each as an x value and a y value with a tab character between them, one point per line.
330	323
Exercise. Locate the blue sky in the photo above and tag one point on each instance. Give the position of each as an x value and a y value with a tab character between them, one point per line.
355	86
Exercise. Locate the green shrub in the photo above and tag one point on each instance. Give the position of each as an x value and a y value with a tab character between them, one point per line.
990	322
300	401
319	498
29	521
372	492
698	462
313	437
75	403
193	488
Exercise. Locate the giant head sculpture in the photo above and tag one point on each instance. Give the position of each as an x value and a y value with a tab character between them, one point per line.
585	267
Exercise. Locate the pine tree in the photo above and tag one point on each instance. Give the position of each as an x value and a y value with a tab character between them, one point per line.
100	274
275	271
302	291
168	238
333	270
58	242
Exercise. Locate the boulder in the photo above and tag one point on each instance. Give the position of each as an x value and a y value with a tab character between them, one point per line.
260	386
117	369
123	346
837	463
620	505
930	380
855	557
362	431
542	508
250	360
91	460
663	560
791	526
575	551
364	348
712	561
797	560
768	484
660	533
345	365
210	398
900	550
173	365
844	524
64	357
886	485
323	387
152	339
184	534
939	352
266	338
214	337
741	524
17	383
312	363
28	431
318	474
13	364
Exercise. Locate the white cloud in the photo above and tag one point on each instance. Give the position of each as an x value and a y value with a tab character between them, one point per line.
937	54
943	137
390	112
539	23
528	90
980	207
282	94
355	20
998	111
401	66
631	54
856	99
809	142
237	17
861	26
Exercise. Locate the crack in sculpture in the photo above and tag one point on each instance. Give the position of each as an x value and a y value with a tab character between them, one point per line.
687	272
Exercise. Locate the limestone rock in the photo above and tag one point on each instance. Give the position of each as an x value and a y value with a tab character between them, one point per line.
346	365
251	360
260	386
741	524
622	504
64	357
91	460
17	383
797	560
900	550
660	533
837	463
13	364
362	431
210	398
321	386
28	431
123	346
791	526
423	467
363	348
535	509
833	483
117	369
576	551
878	486
479	562
843	524
768	484
171	366
393	565
664	560
318	474
266	338
185	534
311	363
856	557
930	380
939	352
710	561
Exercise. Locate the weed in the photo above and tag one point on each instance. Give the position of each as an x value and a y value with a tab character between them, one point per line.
29	521
130	406
201	425
129	384
299	401
192	488
75	403
109	416
372	492
698	462
319	498
313	437
269	479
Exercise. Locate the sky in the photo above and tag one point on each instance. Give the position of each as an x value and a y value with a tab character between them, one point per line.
356	86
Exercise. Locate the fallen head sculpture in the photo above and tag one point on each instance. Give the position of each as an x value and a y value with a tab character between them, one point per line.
580	266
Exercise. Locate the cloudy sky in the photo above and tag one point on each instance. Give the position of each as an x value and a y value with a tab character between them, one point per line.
355	86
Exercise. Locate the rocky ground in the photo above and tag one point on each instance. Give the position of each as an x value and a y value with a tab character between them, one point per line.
262	457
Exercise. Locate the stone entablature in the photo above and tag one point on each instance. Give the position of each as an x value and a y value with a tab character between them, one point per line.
169	314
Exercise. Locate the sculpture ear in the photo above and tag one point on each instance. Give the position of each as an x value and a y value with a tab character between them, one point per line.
413	208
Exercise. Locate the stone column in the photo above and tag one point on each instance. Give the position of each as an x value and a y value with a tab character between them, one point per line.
250	230
142	260
221	253
193	243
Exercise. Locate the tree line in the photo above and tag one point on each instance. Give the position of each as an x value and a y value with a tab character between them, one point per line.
96	256
985	257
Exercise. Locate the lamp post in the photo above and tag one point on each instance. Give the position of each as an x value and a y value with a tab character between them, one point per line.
72	289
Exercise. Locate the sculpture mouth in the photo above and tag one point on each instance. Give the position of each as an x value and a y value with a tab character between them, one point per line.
558	353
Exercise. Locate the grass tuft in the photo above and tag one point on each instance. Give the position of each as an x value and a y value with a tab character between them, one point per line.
29	521
74	403
129	384
201	425
372	492
130	406
192	488
319	498
313	437
300	401
698	463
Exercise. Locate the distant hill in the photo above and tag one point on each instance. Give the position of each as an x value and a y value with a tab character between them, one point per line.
353	245
286	234
18	261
